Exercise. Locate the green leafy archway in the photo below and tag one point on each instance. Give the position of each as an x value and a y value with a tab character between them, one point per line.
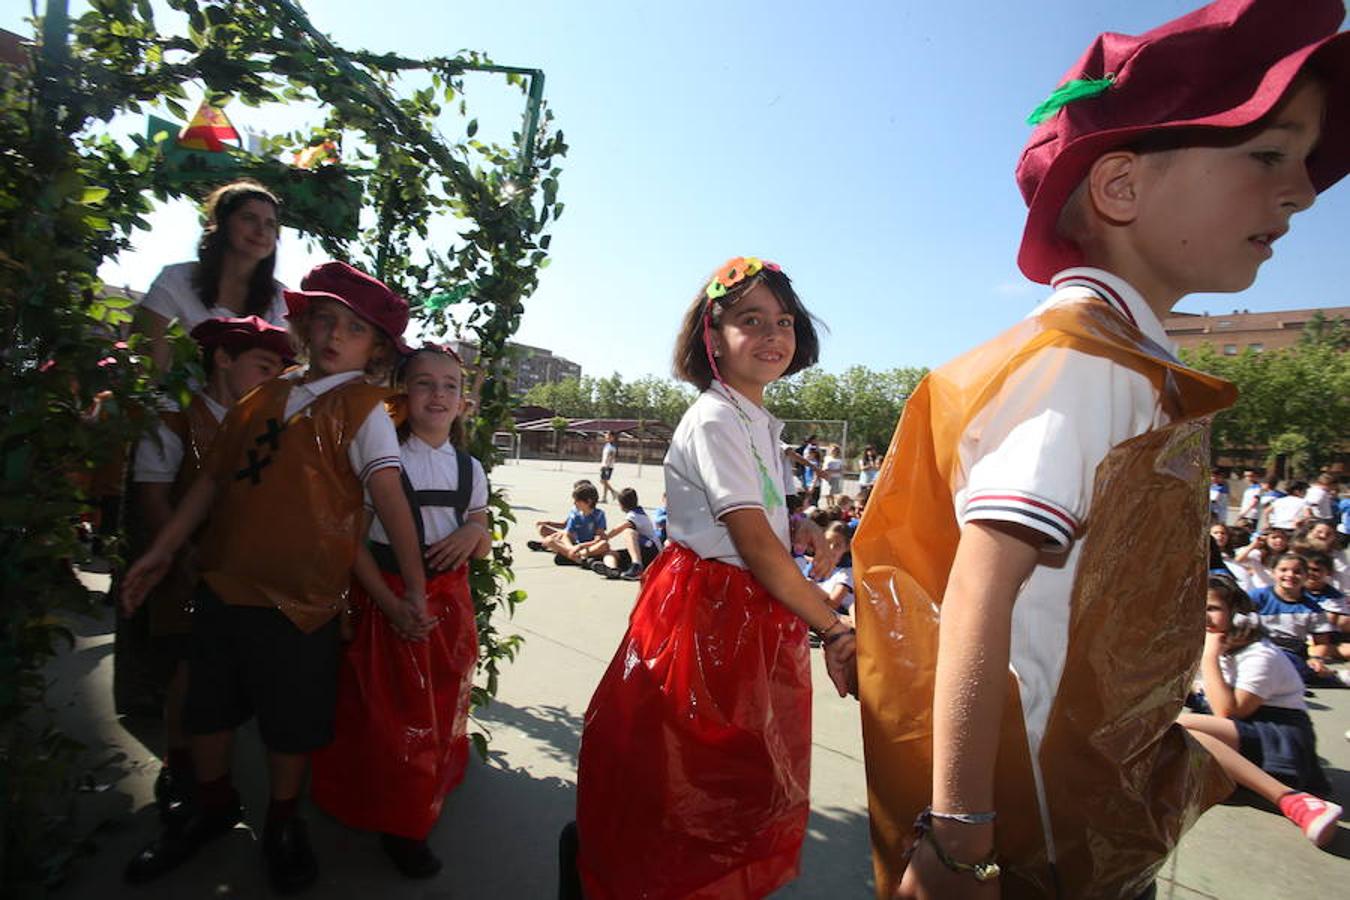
71	196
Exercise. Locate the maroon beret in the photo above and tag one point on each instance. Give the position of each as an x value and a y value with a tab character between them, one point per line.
246	333
1223	66
363	294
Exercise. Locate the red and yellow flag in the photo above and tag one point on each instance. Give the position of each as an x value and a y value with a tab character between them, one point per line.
319	155
207	130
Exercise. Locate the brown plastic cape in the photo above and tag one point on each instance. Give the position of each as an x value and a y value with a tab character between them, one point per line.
1122	780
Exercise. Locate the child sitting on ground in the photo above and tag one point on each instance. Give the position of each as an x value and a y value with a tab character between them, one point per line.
572	545
629	547
1292	619
1258	730
545	527
836	582
1318	586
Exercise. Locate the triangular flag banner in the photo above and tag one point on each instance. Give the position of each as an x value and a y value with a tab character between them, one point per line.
208	128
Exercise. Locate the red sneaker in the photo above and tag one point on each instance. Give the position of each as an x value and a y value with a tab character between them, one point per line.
1315	816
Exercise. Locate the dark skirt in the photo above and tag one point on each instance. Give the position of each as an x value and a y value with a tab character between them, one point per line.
1282	743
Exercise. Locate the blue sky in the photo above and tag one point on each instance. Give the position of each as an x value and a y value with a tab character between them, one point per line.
868	147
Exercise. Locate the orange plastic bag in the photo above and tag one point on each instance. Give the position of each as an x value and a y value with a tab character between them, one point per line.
402	712
695	760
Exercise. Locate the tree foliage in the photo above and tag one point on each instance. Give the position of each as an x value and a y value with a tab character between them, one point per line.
1297	392
71	196
870	401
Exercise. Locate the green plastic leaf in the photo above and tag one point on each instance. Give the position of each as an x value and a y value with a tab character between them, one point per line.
1069	92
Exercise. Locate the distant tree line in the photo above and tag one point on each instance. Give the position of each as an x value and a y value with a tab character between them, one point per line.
1292	403
869	400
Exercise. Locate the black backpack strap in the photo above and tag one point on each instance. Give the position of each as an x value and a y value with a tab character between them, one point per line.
457	499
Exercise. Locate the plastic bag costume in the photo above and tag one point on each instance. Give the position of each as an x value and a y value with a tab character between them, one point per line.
695	765
1121	781
403	706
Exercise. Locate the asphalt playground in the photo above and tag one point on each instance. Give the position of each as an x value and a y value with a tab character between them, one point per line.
498	831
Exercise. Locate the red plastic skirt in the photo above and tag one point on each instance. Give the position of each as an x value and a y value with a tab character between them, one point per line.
695	761
402	710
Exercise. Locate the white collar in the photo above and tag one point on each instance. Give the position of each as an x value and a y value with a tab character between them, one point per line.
753	411
1119	294
219	410
418	445
322	385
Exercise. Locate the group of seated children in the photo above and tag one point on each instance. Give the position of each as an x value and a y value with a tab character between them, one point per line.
585	538
836	523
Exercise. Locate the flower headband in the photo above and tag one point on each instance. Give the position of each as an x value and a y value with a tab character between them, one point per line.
734	272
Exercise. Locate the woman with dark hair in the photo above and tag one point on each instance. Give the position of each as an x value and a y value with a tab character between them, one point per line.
232	276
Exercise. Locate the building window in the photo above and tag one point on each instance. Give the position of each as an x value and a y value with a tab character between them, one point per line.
1230	349
1257	347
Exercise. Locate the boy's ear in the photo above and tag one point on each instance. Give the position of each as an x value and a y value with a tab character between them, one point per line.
221	359
1114	185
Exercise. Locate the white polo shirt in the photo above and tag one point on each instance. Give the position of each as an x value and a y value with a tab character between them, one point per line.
435	469
160	456
711	471
375	446
173	296
1030	456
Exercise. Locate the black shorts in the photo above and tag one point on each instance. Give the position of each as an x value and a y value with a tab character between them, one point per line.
649	554
253	661
605	472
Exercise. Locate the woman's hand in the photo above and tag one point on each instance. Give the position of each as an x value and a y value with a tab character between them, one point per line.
453	551
1216	642
144	574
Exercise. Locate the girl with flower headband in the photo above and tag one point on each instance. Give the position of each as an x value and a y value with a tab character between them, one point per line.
403	691
694	771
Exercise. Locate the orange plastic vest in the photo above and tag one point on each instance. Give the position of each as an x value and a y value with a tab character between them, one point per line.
1122	779
285	525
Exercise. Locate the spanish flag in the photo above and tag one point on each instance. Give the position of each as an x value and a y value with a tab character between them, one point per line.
208	128
319	155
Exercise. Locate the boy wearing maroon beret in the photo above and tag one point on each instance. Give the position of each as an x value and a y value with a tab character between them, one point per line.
283	488
238	354
1023	740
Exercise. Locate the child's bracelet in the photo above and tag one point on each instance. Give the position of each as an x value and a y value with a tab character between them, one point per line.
983	818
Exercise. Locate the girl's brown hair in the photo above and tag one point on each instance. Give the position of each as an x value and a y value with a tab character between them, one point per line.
222	203
691	355
1238	602
404	428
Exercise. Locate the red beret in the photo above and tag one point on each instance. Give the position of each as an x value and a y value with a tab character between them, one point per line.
241	334
363	294
1225	65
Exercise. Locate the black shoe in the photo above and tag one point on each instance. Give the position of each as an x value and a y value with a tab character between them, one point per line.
537	546
413	858
569	879
173	796
560	560
291	866
632	573
178	843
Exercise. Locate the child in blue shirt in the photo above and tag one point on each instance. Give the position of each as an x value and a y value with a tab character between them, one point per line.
579	531
1291	617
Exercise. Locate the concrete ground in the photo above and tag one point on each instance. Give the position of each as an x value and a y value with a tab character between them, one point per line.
498	831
